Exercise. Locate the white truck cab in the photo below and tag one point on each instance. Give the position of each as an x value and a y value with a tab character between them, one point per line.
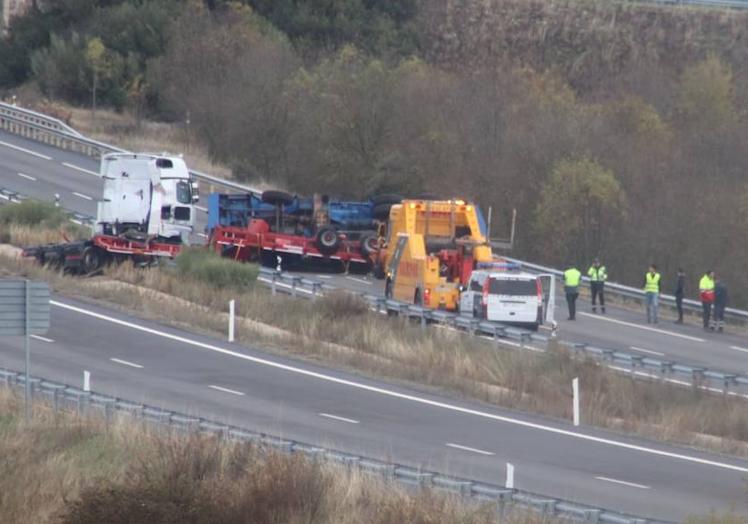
510	297
146	196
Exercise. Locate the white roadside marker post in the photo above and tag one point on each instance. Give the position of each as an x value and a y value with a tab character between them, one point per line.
231	320
575	399
509	475
86	381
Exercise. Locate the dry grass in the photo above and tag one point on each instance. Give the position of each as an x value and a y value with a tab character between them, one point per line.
60	467
123	130
435	358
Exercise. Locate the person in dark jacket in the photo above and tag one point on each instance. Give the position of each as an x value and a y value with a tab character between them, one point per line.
680	291
720	303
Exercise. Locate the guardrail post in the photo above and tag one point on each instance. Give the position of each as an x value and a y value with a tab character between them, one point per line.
272	283
293	287
232	318
423	319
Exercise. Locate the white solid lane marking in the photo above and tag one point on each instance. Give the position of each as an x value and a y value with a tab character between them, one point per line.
27	151
201	208
341	419
227	390
27	177
324	276
644	328
359	280
738	348
126	363
636	348
202	235
404	396
623	483
81	195
43	339
81	169
465	448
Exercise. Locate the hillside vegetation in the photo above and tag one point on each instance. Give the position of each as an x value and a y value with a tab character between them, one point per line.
616	129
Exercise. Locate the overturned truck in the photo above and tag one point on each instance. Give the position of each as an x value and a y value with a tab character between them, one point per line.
147	211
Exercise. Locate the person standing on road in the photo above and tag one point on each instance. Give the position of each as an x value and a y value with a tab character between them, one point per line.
680	291
720	303
652	293
572	278
598	275
706	294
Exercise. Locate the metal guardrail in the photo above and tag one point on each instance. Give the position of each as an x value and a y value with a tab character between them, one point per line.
48	130
700	377
62	397
733	4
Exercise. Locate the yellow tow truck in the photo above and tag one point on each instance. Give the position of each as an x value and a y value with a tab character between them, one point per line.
429	250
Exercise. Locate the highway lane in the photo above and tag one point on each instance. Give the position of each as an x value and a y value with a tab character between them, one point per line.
620	329
162	366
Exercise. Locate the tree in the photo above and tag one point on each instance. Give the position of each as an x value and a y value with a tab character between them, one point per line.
707	94
96	59
578	204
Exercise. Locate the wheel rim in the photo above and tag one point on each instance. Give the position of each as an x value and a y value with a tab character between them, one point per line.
328	238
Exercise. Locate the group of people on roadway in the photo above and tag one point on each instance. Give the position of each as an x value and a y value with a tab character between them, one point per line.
712	293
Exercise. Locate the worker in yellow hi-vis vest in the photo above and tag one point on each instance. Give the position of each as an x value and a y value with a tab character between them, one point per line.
706	294
572	279
652	293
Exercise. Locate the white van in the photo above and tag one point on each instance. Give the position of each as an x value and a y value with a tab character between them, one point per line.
509	297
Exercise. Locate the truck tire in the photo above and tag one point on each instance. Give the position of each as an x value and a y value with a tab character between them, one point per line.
381	211
276	198
92	260
386	198
327	241
369	244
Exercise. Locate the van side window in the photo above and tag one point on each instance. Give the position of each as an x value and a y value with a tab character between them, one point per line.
476	284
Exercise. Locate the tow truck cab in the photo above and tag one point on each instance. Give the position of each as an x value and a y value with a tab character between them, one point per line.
146	196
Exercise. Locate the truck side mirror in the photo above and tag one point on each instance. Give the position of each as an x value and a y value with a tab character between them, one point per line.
195	199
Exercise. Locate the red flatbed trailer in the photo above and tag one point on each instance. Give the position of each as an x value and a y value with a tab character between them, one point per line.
252	243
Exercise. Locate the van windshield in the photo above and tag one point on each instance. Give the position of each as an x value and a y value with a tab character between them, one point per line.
518	288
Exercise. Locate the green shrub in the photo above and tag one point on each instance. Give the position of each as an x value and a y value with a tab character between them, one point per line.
206	266
33	213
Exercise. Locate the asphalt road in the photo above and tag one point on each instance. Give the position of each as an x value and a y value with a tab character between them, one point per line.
145	362
72	176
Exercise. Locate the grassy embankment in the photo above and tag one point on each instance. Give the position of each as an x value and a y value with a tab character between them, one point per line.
339	331
68	469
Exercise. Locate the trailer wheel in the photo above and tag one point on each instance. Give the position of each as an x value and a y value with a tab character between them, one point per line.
327	240
276	198
369	244
92	260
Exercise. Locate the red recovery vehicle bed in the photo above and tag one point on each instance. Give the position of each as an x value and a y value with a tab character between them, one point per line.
257	243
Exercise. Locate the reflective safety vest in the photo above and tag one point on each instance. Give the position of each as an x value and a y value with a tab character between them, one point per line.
572	277
597	274
706	283
653	283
